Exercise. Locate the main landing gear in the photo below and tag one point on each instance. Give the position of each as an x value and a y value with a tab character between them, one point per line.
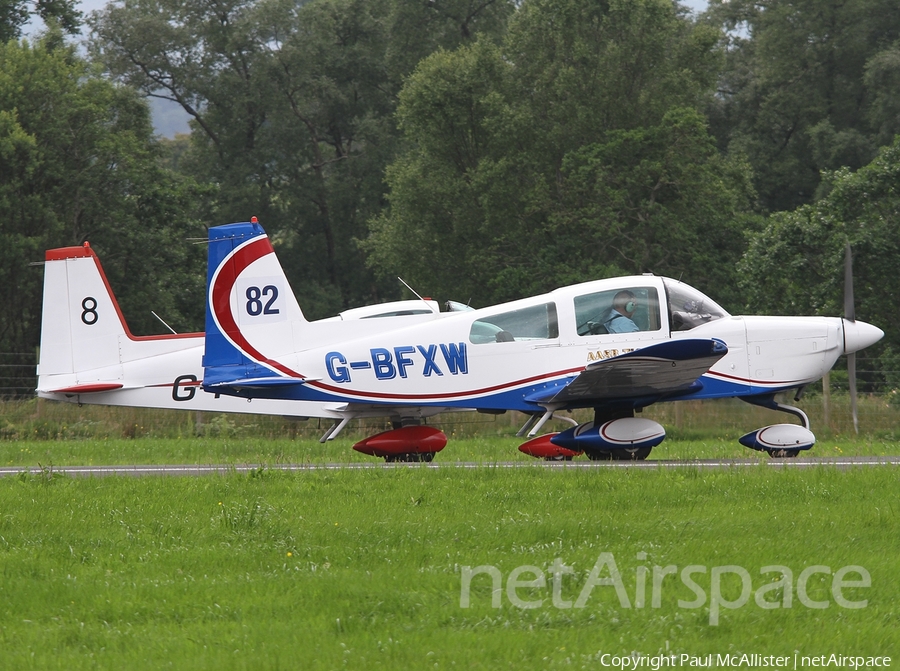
617	435
621	454
407	442
409	457
412	443
614	435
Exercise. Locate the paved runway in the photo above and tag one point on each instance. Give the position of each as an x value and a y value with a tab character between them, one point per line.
226	469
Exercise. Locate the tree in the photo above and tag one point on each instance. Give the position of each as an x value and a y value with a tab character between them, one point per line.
658	199
80	163
292	108
810	85
795	264
14	14
572	151
882	80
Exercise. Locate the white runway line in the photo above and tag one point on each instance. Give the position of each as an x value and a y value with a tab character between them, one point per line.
226	469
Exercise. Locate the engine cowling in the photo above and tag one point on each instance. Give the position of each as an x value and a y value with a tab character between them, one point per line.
405	440
779	437
616	434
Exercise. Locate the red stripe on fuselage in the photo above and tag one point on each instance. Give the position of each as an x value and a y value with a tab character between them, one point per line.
747	380
445	395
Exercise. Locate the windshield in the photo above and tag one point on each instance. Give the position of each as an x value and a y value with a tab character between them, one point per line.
689	308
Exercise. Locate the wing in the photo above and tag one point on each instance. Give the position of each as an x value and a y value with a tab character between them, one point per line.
664	368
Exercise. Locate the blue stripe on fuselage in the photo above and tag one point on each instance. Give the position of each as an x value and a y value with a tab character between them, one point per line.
511	399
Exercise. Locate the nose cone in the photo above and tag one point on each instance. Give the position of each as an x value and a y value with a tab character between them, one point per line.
859	335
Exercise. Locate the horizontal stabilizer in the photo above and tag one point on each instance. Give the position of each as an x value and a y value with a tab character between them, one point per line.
665	368
90	388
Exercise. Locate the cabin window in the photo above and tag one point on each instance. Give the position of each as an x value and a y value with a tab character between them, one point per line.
622	310
689	308
538	322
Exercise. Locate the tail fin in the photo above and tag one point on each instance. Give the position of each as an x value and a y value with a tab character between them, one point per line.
251	312
84	338
80	321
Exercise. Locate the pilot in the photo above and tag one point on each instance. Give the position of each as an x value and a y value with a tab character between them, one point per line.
619	318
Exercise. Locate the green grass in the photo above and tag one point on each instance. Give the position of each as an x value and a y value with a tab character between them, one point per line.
43	433
359	570
249	450
720	420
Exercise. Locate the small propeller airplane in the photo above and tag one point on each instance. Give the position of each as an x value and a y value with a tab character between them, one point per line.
89	355
613	345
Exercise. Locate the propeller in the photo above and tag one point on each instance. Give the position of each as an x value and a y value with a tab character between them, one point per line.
850	316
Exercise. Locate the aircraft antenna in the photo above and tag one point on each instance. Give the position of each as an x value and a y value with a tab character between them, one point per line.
416	293
163	322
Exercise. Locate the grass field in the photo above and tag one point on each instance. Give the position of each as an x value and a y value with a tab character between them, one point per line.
356	570
38	433
263	451
359	570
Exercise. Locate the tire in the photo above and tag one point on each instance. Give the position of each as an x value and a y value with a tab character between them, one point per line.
782	453
624	454
409	457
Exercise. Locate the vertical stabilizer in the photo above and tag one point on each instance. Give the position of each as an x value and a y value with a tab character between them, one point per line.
251	311
80	321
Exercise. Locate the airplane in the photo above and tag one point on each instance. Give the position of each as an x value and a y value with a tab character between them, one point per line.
88	355
565	350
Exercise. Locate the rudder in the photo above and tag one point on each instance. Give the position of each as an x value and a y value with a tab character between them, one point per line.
80	320
250	308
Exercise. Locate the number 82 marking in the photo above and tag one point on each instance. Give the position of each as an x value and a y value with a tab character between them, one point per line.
255	305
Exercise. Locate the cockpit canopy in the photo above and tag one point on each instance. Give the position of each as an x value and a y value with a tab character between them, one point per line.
631	305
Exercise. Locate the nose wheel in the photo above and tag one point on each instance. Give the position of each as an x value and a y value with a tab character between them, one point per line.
779	441
783	453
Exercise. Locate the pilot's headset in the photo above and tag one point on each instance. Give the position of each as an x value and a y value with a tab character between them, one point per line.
629	304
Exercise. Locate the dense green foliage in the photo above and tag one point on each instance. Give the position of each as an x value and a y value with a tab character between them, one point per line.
795	265
482	149
810	85
571	151
292	109
79	163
